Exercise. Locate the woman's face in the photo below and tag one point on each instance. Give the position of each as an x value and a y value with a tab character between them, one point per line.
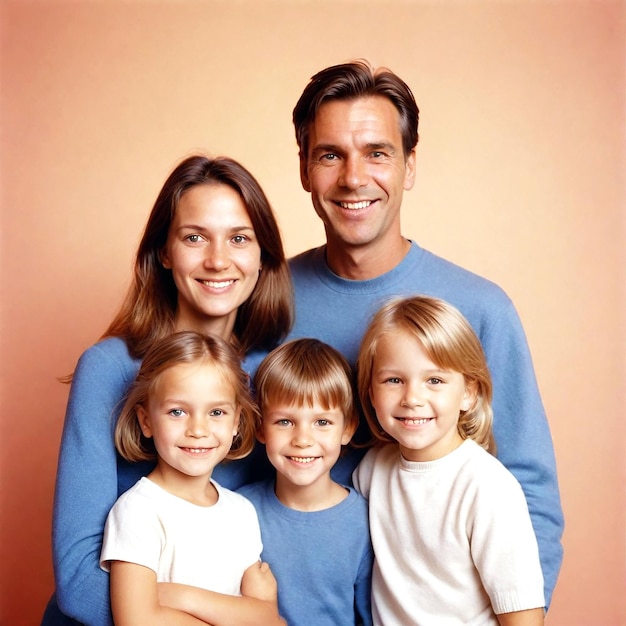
214	256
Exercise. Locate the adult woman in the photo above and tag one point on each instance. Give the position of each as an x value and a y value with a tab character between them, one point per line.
210	260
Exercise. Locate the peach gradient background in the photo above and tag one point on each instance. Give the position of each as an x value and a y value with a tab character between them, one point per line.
520	178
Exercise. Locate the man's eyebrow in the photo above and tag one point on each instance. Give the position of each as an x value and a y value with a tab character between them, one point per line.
325	147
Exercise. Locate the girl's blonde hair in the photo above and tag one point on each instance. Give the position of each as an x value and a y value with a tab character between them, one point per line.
449	341
305	371
175	349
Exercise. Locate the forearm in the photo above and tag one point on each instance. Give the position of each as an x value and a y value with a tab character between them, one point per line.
530	617
219	609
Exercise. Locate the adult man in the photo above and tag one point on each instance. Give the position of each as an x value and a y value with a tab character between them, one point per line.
356	129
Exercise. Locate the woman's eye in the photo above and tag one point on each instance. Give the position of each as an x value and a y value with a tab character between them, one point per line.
193	238
239	239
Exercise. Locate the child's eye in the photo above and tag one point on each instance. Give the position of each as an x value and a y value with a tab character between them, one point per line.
283	422
216	413
323	422
176	412
435	381
393	380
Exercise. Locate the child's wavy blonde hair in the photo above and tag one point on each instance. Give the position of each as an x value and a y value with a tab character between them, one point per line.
175	349
449	341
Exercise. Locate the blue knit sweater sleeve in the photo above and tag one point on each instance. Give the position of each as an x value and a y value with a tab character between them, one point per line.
523	436
87	480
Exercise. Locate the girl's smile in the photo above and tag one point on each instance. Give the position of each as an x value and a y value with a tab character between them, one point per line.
416	402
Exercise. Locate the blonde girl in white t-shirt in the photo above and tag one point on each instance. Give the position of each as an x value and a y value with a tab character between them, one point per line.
180	548
452	536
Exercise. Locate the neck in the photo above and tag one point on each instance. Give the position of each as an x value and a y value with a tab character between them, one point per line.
365	262
198	490
221	326
322	494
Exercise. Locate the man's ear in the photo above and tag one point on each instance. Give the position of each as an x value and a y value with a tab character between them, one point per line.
409	171
304	174
143	418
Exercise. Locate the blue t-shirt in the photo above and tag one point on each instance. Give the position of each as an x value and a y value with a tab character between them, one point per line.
322	560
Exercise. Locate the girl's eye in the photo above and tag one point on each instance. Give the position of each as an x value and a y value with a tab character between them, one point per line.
176	412
216	413
283	423
435	381
394	380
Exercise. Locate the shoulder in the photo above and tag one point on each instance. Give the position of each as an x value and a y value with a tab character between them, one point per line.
107	353
377	459
306	262
141	500
235	499
486	473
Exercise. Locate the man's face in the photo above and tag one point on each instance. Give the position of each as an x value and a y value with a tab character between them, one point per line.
356	172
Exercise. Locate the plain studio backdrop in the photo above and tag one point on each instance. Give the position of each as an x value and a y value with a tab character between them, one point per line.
520	178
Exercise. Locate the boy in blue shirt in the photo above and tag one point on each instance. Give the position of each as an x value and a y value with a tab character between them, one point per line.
315	531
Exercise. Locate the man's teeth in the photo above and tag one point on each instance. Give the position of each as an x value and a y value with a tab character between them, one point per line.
302	459
356	205
217	284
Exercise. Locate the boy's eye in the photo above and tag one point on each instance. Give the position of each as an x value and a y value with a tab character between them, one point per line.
283	422
323	422
435	381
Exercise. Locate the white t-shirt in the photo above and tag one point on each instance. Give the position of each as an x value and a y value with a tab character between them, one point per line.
453	541
207	547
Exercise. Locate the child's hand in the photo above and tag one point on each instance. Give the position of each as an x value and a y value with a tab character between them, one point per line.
259	582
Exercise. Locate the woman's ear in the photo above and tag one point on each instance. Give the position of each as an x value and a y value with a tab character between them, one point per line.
164	258
143	418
